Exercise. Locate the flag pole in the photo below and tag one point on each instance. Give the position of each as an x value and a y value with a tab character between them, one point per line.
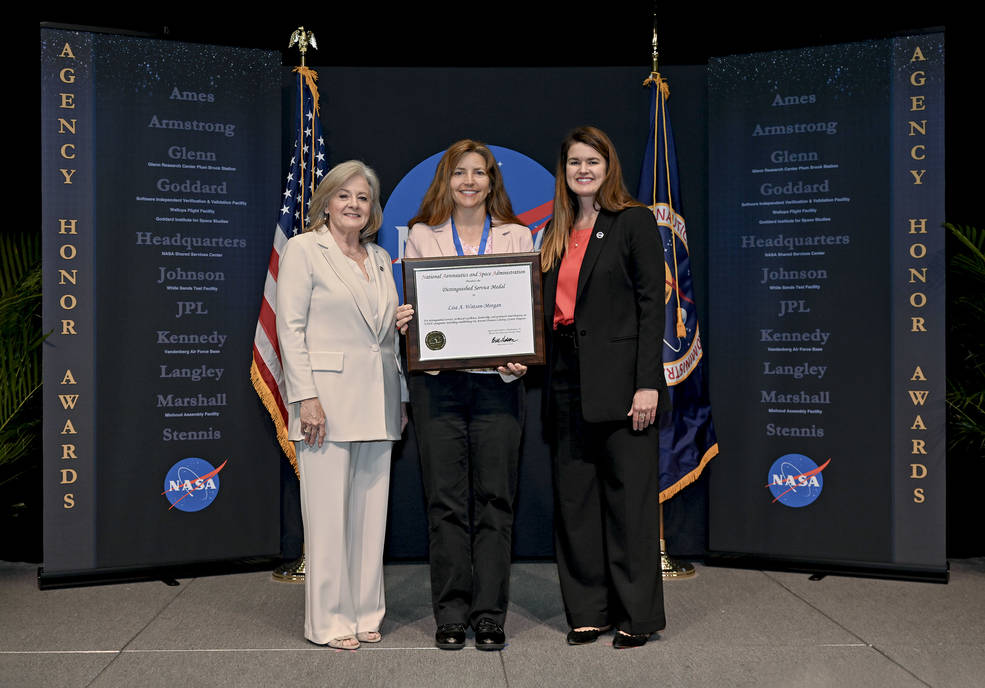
294	571
669	567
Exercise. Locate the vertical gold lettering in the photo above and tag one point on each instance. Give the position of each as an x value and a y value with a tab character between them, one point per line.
918	226
921	127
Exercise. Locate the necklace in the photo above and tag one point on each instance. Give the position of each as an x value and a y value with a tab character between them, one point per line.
578	235
482	240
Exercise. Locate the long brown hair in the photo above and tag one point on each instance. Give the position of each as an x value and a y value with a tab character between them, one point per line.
437	204
612	194
333	181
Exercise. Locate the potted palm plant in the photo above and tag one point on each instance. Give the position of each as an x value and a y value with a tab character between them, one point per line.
20	395
965	389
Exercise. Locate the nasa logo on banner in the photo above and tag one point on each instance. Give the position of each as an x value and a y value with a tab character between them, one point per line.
192	484
795	480
529	186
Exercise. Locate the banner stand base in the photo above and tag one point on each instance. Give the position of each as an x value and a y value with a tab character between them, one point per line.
53	580
845	568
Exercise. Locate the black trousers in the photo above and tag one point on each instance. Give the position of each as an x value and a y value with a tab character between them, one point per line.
607	529
468	431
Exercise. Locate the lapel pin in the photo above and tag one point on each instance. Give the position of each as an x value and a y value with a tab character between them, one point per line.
599	235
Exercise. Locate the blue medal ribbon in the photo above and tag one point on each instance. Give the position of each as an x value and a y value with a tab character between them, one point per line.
482	241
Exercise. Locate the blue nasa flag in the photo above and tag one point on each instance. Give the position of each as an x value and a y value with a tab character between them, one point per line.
687	443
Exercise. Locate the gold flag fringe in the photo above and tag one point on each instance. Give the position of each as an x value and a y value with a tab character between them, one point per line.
271	405
690	477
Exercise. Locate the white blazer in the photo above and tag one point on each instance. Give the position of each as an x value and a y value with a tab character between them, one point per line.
332	347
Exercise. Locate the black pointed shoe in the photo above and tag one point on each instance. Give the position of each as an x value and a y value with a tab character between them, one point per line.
623	641
489	635
586	636
450	636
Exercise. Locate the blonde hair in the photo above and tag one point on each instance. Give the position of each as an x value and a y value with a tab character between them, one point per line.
612	194
437	204
333	181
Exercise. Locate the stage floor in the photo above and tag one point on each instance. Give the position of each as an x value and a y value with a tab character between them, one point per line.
726	627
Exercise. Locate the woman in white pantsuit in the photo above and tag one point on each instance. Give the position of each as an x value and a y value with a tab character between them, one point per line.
335	321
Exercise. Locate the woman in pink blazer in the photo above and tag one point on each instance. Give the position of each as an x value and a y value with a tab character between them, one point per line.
468	423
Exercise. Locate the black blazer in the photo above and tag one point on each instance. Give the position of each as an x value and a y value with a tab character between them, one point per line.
619	315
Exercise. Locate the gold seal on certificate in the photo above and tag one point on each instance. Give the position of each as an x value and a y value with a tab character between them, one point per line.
434	340
474	311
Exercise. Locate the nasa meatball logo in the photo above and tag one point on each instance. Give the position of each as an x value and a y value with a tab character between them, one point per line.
795	480
529	186
192	484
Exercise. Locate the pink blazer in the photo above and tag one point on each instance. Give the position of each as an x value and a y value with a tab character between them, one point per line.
425	241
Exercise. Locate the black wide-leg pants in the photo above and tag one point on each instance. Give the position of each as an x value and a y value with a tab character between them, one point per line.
468	431
607	531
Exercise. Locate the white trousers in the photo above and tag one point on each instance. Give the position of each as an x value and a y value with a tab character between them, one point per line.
344	489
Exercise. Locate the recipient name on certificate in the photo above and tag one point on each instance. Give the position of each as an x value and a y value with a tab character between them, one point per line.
470	309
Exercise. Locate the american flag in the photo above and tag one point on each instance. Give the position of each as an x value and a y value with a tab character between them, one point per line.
306	168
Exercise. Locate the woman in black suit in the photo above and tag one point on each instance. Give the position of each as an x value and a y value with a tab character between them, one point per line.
604	312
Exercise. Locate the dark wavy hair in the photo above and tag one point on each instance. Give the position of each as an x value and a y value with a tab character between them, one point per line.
437	204
612	195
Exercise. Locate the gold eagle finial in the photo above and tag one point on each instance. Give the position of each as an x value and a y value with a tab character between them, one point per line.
303	39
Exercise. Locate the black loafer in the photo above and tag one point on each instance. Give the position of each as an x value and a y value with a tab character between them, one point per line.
450	636
489	635
586	636
623	641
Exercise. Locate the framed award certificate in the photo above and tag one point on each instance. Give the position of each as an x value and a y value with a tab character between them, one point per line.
474	311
